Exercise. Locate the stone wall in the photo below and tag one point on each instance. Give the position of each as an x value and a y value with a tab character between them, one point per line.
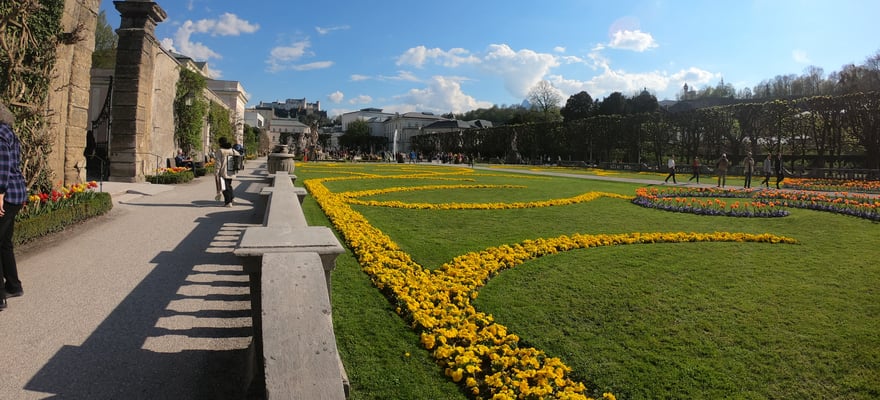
69	93
165	77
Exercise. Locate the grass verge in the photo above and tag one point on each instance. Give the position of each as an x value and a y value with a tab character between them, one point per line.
704	320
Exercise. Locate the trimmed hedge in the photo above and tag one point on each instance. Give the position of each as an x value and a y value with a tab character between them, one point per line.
171	178
41	225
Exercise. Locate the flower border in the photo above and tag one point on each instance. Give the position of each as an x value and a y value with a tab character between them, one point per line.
763	202
474	350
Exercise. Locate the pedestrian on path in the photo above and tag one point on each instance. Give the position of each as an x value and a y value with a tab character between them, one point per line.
13	194
671	165
768	169
780	169
749	169
696	169
722	165
224	162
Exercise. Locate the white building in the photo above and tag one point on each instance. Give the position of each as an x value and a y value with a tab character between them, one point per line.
385	125
255	119
279	126
235	98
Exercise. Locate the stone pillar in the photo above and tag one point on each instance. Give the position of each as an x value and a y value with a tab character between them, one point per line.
69	93
133	89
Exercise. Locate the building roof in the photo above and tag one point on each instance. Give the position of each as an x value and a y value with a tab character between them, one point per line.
459	124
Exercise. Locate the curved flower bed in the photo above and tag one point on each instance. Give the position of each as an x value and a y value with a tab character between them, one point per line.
351	197
761	203
483	356
833	185
705	201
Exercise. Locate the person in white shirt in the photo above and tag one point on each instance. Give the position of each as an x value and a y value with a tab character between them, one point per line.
671	165
222	175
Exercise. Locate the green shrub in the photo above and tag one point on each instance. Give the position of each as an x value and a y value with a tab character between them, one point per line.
43	224
170	178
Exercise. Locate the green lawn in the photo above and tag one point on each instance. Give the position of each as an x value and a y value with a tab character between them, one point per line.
650	321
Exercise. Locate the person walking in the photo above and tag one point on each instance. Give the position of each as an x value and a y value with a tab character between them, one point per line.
722	166
224	163
748	169
780	169
768	169
671	165
695	165
13	194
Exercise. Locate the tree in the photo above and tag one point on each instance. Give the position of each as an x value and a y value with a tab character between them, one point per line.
252	139
578	106
105	44
645	102
614	104
356	136
545	98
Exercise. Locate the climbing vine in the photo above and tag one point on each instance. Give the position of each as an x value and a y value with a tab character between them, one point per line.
190	109
30	31
221	123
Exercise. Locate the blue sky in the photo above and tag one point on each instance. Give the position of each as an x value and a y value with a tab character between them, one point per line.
457	55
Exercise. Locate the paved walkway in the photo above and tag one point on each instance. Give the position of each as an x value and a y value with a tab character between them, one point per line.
145	302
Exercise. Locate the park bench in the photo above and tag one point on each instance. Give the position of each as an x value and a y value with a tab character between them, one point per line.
289	264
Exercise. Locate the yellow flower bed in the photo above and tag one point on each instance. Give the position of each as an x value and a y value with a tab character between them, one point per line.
351	197
474	351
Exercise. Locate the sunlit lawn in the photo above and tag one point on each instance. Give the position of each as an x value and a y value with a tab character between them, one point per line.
653	321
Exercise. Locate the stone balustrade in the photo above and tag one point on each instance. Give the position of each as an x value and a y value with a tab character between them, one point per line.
289	263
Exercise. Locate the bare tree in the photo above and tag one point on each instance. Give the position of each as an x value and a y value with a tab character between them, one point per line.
546	98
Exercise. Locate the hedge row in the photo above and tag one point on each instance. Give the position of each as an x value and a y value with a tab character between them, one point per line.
36	227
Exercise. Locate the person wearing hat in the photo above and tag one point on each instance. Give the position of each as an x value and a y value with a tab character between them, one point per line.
748	169
13	194
722	165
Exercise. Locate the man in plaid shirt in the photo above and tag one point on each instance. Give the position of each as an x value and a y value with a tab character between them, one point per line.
13	194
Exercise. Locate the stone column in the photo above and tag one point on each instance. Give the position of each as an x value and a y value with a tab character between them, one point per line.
133	89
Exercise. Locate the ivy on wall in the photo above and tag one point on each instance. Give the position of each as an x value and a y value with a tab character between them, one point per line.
221	123
30	31
190	109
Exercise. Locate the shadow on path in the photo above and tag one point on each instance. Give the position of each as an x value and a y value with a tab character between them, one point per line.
181	333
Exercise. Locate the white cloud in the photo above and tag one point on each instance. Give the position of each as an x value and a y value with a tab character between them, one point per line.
520	70
359	77
559	49
324	31
401	76
336	97
800	56
418	56
168	44
694	77
361	99
281	58
629	83
442	95
632	40
227	25
183	44
213	73
312	66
